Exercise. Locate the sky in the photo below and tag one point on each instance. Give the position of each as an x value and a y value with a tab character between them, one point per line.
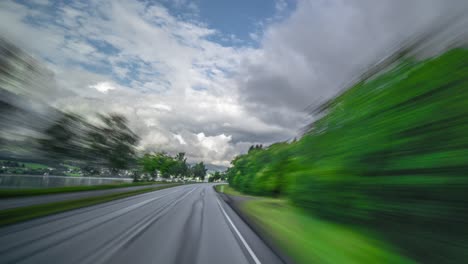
210	77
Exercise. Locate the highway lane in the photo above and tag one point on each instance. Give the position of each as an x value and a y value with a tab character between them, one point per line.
184	224
7	203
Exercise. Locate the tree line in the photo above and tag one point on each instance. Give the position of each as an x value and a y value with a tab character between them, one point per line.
390	153
165	166
110	143
218	176
55	137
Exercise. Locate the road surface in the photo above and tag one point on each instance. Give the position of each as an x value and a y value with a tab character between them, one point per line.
184	224
8	203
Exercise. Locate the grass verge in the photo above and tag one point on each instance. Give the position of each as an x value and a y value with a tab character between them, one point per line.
308	239
10	193
15	215
224	188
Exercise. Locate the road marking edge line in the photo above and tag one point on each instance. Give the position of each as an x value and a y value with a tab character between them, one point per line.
246	245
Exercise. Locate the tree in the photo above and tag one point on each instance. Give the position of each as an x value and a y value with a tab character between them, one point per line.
164	164
251	148
64	138
113	142
171	166
216	176
180	168
255	147
199	170
149	165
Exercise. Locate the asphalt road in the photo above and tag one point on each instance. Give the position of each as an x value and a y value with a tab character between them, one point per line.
7	203
184	224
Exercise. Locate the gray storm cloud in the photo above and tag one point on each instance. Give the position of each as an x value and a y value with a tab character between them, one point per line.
308	58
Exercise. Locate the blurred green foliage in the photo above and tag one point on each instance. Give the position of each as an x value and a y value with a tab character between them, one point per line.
308	239
168	166
390	153
217	176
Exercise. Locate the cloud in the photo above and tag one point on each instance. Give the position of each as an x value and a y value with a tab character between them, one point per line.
308	57
41	2
162	107
182	91
180	139
102	87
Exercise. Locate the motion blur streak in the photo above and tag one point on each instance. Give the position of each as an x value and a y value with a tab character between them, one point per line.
178	225
387	157
390	154
33	130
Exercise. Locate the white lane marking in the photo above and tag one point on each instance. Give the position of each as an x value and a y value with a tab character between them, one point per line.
51	240
252	254
106	252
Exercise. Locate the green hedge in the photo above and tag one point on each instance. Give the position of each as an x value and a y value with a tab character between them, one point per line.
390	153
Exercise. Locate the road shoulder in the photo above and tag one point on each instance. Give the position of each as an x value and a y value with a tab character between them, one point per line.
236	202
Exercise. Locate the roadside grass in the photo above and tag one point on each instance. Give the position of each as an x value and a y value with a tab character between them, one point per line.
31	165
11	193
73	174
225	188
15	215
308	239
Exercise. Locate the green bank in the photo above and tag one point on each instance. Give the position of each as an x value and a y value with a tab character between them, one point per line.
389	154
308	239
15	215
11	193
